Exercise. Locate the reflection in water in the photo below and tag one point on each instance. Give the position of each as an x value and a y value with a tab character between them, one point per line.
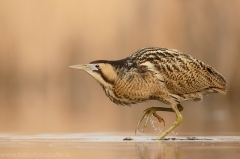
159	150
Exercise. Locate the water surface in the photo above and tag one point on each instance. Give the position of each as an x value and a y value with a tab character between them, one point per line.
109	146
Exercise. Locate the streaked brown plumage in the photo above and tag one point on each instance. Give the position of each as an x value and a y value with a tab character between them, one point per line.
159	74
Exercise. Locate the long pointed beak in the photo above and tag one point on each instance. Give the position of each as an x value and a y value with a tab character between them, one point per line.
85	67
81	67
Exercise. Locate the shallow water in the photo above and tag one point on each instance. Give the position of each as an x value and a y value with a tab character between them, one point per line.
104	147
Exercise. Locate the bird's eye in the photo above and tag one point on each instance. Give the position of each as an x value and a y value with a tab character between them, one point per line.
97	66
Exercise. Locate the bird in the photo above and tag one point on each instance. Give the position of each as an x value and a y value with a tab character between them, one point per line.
156	73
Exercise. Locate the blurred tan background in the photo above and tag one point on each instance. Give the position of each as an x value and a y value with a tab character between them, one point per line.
39	39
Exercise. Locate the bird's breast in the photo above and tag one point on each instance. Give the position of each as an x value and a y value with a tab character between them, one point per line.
136	89
117	99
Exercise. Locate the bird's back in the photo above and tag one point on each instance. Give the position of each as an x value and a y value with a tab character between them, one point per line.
181	74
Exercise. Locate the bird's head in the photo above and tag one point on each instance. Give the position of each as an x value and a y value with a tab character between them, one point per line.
103	71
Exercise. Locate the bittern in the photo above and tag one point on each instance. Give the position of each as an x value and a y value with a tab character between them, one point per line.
155	73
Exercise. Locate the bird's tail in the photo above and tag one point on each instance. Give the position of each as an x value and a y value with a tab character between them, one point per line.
220	90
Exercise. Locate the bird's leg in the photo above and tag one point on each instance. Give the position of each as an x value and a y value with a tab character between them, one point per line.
152	111
175	124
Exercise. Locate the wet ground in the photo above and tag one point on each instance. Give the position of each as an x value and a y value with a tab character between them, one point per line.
102	146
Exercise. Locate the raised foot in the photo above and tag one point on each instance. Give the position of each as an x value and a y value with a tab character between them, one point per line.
148	113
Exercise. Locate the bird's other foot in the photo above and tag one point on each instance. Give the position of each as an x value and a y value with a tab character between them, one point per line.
147	113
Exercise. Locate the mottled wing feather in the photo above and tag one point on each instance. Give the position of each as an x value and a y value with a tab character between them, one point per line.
182	73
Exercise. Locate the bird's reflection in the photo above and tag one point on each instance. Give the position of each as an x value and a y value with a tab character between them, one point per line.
160	150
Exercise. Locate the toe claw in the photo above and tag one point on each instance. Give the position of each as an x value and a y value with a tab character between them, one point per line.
160	119
163	121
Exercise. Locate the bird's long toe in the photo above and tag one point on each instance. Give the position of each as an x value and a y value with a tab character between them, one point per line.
145	112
